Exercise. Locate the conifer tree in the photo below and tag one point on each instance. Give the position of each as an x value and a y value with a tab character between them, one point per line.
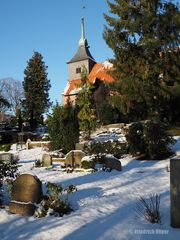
86	105
144	36
36	90
63	127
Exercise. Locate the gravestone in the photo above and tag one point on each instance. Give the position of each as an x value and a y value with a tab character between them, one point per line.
175	191
73	158
46	160
28	143
27	192
6	157
112	163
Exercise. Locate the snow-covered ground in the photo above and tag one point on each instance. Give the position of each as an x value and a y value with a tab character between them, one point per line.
104	204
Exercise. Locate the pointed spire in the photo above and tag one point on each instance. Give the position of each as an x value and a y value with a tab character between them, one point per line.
83	52
82	41
82	28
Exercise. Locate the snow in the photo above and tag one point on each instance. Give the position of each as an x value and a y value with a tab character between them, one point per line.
75	91
110	134
107	64
88	158
66	88
103	204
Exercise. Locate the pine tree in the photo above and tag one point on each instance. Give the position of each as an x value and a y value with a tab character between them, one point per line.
19	120
36	88
143	35
63	127
85	102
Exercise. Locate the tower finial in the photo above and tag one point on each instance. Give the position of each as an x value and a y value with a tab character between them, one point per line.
82	26
82	40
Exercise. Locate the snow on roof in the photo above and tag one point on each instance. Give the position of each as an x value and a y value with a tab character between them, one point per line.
107	64
71	86
75	91
66	88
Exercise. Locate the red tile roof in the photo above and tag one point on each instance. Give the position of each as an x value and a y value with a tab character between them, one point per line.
99	71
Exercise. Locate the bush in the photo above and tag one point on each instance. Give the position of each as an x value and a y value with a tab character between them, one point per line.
5	137
134	137
156	140
108	114
149	208
8	171
5	147
98	148
9	186
63	128
149	139
56	201
38	163
8	137
88	164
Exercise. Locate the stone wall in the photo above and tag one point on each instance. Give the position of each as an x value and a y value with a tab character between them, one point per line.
34	144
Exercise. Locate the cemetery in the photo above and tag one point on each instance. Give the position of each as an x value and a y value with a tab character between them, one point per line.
105	193
90	151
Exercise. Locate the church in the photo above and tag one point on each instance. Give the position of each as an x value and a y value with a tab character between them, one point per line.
97	72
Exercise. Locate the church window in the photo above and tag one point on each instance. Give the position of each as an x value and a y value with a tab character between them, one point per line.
78	70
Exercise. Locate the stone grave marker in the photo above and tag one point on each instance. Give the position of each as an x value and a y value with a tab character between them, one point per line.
113	163
27	191
46	160
175	191
73	158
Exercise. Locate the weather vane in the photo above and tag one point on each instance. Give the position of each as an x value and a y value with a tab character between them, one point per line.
83	8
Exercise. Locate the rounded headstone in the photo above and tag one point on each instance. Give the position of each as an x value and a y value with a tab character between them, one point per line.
27	190
113	163
73	158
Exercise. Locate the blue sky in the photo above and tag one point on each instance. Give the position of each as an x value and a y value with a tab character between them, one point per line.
53	28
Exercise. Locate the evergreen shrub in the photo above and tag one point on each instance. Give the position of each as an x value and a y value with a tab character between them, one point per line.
5	147
55	202
88	164
157	141
63	128
108	114
8	172
134	137
149	139
98	148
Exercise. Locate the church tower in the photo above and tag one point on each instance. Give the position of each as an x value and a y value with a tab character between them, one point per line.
97	71
82	57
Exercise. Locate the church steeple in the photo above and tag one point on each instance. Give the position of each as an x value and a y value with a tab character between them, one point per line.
83	52
82	40
81	57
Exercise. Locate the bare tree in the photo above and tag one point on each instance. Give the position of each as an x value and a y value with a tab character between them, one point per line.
12	91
